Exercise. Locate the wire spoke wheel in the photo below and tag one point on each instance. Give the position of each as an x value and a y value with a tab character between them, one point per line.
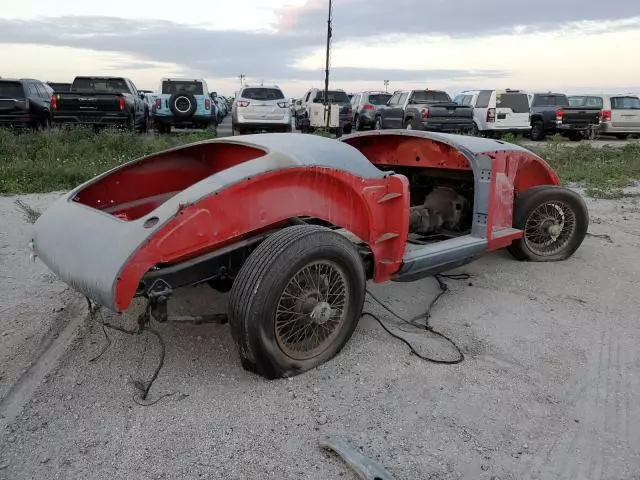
312	310
549	228
297	300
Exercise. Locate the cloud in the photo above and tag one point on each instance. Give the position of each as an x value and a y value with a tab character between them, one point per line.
138	65
273	53
212	53
454	18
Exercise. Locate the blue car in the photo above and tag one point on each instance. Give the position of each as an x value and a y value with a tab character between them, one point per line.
183	103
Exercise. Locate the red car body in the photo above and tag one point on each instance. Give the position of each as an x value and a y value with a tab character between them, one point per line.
181	204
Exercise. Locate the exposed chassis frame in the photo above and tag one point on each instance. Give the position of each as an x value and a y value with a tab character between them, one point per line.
159	283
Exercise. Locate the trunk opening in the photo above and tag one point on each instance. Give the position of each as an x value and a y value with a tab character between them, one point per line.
137	189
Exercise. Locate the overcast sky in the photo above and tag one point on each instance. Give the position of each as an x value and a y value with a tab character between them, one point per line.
569	45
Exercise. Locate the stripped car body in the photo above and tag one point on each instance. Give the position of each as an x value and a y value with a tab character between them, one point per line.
195	213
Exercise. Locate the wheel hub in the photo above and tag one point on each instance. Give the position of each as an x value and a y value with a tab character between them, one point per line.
321	313
555	229
312	309
549	228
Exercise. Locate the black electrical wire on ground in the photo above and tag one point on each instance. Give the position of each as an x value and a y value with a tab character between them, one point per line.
144	319
142	326
426	315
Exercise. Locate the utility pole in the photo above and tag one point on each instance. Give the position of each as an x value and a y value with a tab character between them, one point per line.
242	77
326	71
386	86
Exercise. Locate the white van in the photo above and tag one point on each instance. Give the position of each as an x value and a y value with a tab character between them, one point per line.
498	111
619	114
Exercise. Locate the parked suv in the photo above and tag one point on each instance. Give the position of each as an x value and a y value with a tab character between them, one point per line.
365	105
316	95
182	103
25	103
258	108
497	112
619	114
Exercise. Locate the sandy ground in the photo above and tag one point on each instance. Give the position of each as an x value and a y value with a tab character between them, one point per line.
31	297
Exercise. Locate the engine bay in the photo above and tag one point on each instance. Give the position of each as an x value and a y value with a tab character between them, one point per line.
441	204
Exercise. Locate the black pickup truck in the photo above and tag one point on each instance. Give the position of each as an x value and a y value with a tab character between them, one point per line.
431	110
551	113
100	102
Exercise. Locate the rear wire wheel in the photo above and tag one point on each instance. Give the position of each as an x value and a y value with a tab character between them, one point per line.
554	220
296	301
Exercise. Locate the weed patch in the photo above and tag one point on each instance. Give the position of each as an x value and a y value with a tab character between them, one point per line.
62	159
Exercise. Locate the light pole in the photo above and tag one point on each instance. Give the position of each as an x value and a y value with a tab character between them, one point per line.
386	86
326	71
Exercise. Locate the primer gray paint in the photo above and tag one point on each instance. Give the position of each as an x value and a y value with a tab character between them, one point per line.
87	248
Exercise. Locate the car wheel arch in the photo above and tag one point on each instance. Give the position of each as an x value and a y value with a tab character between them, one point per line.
344	202
533	171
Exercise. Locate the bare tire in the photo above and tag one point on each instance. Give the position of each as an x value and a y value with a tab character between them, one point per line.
296	301
554	220
575	137
358	123
537	131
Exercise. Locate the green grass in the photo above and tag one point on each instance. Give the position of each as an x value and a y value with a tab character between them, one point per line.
62	159
603	172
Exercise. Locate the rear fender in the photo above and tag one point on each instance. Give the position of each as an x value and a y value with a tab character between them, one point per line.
375	210
512	172
501	170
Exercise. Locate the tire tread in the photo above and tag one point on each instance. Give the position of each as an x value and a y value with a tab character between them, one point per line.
263	266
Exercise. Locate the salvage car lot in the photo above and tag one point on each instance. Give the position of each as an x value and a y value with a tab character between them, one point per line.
549	387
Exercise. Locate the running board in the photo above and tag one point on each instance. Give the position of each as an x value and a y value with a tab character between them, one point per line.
426	260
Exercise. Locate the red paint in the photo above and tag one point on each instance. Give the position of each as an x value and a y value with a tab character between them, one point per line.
533	171
408	151
512	173
152	180
376	211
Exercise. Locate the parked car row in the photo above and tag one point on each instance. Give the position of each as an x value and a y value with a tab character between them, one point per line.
110	101
187	103
489	113
486	113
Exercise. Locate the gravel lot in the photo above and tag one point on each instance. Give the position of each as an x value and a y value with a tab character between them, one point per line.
549	388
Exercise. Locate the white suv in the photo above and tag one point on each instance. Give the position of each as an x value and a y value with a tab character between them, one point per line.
260	108
498	111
